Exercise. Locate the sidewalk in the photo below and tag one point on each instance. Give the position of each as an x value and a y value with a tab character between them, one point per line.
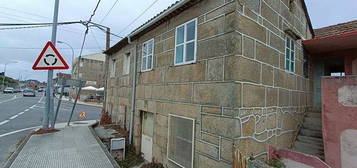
80	102
71	147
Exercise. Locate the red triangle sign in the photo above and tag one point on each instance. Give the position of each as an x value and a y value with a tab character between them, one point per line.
49	58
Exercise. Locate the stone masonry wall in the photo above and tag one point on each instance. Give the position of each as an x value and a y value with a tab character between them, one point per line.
237	91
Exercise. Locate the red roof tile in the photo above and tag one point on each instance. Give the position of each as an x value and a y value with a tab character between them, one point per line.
336	29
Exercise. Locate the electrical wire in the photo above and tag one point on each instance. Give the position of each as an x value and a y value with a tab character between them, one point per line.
109	11
87	28
142	13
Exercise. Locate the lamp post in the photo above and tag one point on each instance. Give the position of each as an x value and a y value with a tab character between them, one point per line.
61	42
3	79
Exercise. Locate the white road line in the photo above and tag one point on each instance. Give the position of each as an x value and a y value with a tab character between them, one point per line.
13	117
4	122
20	113
27	109
9	100
13	132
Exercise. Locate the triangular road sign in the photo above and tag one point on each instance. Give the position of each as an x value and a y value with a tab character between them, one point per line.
49	58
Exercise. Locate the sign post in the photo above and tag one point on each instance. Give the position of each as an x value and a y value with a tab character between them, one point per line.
50	59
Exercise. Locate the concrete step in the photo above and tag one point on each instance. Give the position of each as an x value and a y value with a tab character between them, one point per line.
309	148
311	140
314	110
312	126
313	115
310	133
315	121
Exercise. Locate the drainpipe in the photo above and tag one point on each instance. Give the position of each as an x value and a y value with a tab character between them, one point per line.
133	96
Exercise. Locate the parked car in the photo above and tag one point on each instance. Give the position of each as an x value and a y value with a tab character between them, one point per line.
29	92
8	90
17	90
41	89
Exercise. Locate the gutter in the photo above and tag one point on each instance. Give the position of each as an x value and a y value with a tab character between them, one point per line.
161	16
133	97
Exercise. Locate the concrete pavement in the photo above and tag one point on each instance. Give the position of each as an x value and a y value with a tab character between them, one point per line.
71	147
21	115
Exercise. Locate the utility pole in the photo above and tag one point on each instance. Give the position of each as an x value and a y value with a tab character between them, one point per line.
49	112
106	70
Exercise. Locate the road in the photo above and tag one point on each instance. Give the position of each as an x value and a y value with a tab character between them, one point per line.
19	115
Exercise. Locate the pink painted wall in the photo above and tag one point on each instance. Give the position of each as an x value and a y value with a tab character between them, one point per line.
339	113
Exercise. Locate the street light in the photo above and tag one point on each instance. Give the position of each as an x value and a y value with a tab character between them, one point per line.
61	42
3	79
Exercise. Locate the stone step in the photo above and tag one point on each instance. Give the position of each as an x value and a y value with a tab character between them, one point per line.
313	115
316	121
314	110
310	133
309	148
312	126
312	140
311	152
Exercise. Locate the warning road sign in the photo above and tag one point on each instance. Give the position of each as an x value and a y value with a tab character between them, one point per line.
49	58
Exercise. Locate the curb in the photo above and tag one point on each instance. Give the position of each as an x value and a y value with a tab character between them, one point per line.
13	156
104	148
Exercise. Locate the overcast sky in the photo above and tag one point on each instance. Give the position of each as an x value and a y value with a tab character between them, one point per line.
24	45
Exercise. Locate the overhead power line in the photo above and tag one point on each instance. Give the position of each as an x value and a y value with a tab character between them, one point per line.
141	14
33	24
109	11
38	48
87	28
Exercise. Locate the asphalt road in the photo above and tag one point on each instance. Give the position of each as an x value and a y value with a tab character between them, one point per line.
19	115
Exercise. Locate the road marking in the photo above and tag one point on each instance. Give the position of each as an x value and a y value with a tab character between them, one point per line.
4	122
17	131
20	113
13	117
13	98
27	109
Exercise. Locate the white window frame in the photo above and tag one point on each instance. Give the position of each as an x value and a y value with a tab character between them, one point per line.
147	55
185	42
291	50
193	139
126	65
112	67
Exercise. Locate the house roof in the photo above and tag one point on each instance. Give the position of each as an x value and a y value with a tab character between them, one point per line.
336	29
96	56
166	14
333	38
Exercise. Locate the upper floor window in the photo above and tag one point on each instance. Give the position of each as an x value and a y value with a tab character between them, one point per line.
186	43
147	56
290	54
126	64
112	67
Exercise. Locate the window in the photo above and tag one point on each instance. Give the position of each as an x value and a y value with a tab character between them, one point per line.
180	141
147	56
112	67
80	75
81	63
126	64
186	43
290	54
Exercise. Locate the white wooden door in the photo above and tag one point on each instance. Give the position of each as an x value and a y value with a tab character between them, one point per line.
146	135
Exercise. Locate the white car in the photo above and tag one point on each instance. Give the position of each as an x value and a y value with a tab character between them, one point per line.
8	90
29	92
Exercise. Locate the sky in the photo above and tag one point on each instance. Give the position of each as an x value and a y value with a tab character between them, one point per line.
22	46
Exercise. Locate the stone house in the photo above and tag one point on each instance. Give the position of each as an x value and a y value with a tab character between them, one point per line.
90	69
206	77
